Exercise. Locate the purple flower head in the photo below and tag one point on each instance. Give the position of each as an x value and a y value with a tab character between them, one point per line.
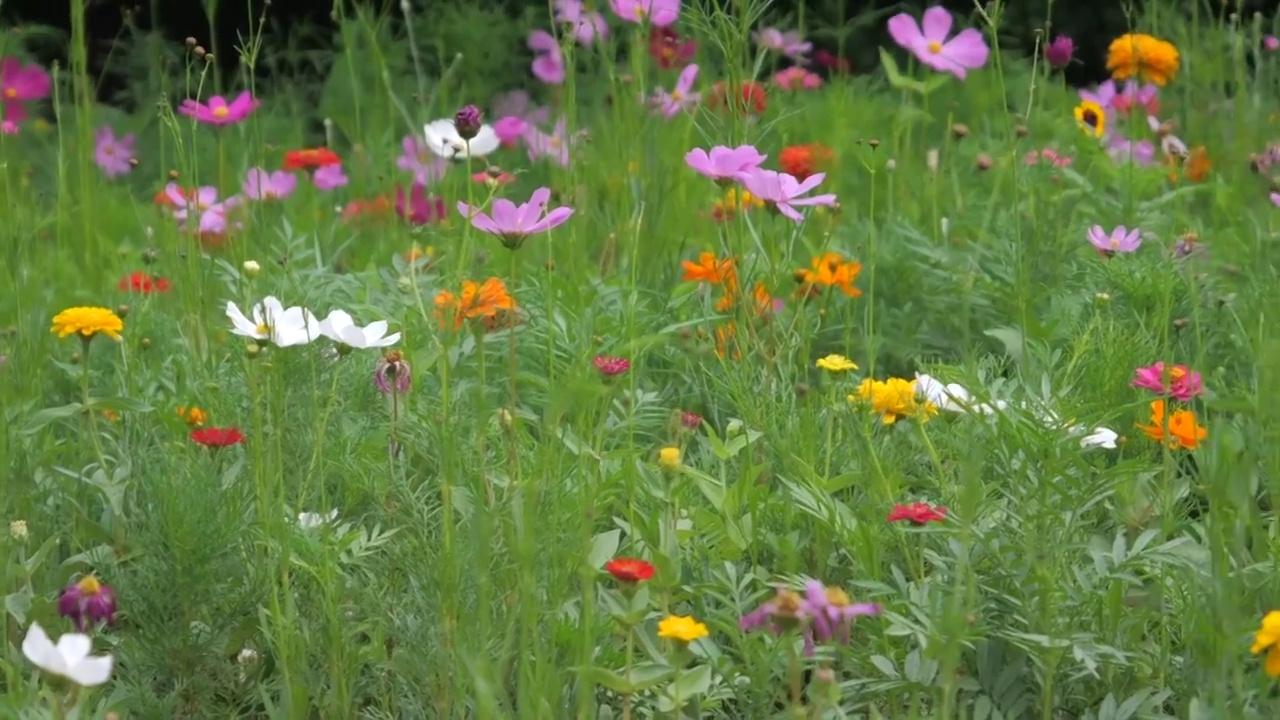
392	374
517	103
87	603
1121	240
512	223
219	111
680	98
511	129
417	207
1275	199
329	177
783	192
790	43
587	26
1124	100
548	62
1271	43
966	51
555	145
20	83
262	185
724	164
659	13
468	121
1179	382
9	127
1059	52
785	611
427	167
113	155
1122	149
831	612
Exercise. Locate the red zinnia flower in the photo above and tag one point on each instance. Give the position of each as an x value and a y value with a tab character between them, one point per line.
801	161
611	366
746	97
217	437
629	570
668	50
690	420
310	159
144	283
919	513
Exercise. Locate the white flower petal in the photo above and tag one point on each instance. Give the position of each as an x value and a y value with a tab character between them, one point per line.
91	672
1100	437
443	140
74	647
241	325
39	649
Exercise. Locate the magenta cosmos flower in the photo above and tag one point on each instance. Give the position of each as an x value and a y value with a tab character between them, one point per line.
1121	239
790	43
417	207
512	223
586	25
1180	382
219	111
680	98
1059	52
966	51
783	192
87	603
659	13
20	84
548	62
516	114
262	185
113	155
724	164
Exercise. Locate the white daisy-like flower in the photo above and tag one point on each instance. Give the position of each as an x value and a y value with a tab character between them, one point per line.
310	520
443	139
273	321
342	329
69	658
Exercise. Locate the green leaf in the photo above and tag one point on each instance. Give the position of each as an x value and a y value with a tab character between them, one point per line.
603	547
119	404
1011	338
646	675
608	679
690	684
896	78
44	417
18	605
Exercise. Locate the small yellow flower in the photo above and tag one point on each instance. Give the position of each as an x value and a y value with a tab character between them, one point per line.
87	322
893	399
681	627
1141	55
193	416
836	363
669	458
1268	638
1092	118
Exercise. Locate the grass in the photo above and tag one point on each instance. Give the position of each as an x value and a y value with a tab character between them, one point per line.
463	573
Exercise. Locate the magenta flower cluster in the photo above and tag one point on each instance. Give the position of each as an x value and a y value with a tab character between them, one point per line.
741	165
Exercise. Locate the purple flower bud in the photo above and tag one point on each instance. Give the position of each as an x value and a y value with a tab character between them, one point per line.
467	122
88	602
1059	52
393	374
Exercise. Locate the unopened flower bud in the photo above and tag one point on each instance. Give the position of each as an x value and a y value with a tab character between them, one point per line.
468	121
984	162
251	268
959	131
18	530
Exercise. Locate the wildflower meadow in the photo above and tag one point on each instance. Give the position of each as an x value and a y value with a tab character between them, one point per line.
673	368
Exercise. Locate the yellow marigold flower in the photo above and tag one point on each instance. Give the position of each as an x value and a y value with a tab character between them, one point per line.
836	363
669	458
1180	430
1140	55
1091	118
1268	638
193	416
87	322
893	399
681	627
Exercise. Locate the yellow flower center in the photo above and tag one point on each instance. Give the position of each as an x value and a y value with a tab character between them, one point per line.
639	12
676	96
1177	373
1115	244
10	93
263	329
89	586
837	597
221	111
935	47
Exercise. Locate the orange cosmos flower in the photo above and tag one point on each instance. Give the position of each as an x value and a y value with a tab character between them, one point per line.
711	270
310	159
829	270
483	301
801	161
1180	431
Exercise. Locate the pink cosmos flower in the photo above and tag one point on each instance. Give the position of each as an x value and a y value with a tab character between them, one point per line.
587	25
112	155
680	98
966	51
724	164
329	177
1183	384
219	111
8	127
797	78
1271	43
1124	100
417	207
659	13
20	84
554	146
1122	149
790	43
427	167
783	192
262	185
1121	239
513	223
200	210
1047	157
548	63
1275	199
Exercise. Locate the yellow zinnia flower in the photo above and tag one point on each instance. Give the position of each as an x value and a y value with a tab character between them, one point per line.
669	458
681	627
193	416
1268	638
1140	55
1091	118
836	363
87	322
893	399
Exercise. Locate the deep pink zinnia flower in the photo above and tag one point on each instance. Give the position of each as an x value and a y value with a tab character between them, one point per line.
668	50
966	51
513	224
783	192
918	513
610	366
417	207
218	111
724	164
1182	383
87	603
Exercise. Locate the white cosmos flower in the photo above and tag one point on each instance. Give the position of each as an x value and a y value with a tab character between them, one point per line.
68	659
310	520
340	328
272	321
444	140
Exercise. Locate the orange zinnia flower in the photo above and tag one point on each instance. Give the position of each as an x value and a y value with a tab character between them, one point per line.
375	208
830	270
1180	431
482	301
1195	166
801	161
310	159
711	270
